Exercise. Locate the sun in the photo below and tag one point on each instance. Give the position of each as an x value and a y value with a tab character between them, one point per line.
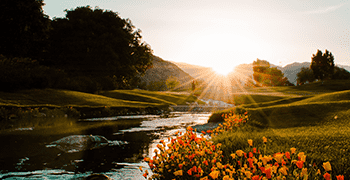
222	69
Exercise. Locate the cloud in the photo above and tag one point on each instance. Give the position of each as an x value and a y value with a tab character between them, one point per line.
324	10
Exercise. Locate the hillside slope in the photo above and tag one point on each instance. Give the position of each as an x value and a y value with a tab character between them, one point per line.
162	70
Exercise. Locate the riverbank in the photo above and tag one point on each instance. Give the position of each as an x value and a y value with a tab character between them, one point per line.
48	107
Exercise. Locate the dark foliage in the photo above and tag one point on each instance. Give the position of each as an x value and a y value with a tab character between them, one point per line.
322	65
24	28
98	43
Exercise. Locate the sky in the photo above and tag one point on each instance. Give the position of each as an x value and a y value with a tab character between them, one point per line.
224	33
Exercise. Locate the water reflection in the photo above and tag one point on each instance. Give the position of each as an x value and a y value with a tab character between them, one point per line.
25	153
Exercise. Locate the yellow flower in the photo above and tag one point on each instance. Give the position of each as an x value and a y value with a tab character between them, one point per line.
250	142
239	153
233	156
283	170
178	173
204	178
219	165
292	150
248	174
327	166
303	158
214	174
264	139
279	157
226	177
304	172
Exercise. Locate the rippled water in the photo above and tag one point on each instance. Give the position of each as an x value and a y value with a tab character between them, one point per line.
28	156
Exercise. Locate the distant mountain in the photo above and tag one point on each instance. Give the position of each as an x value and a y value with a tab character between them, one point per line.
243	71
161	71
197	72
291	70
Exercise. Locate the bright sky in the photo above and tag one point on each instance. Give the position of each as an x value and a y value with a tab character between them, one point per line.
224	33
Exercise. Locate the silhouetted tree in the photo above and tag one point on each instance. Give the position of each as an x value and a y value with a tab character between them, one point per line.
24	28
96	42
265	75
172	82
340	73
305	75
322	65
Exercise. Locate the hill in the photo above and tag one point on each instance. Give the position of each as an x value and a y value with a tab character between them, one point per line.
291	70
246	70
196	71
160	72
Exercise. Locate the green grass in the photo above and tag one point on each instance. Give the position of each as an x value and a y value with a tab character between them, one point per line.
315	122
327	141
118	98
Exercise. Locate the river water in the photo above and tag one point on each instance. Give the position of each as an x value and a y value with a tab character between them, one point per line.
29	155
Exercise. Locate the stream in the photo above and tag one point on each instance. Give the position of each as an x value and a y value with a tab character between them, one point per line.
31	155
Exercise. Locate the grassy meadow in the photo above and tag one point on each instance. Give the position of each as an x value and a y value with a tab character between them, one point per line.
314	119
52	107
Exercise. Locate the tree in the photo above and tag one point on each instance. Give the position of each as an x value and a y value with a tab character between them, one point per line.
265	75
24	28
96	42
305	75
172	82
322	65
340	73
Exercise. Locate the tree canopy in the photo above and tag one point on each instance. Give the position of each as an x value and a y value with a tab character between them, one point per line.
96	42
265	75
305	75
24	28
322	65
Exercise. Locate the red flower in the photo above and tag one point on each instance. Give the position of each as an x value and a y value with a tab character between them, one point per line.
287	155
256	177
250	161
327	176
254	150
250	154
205	162
340	177
300	164
268	173
189	172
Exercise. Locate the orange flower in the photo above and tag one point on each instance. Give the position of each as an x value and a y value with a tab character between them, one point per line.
340	177
327	166
189	128
327	176
144	175
250	142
